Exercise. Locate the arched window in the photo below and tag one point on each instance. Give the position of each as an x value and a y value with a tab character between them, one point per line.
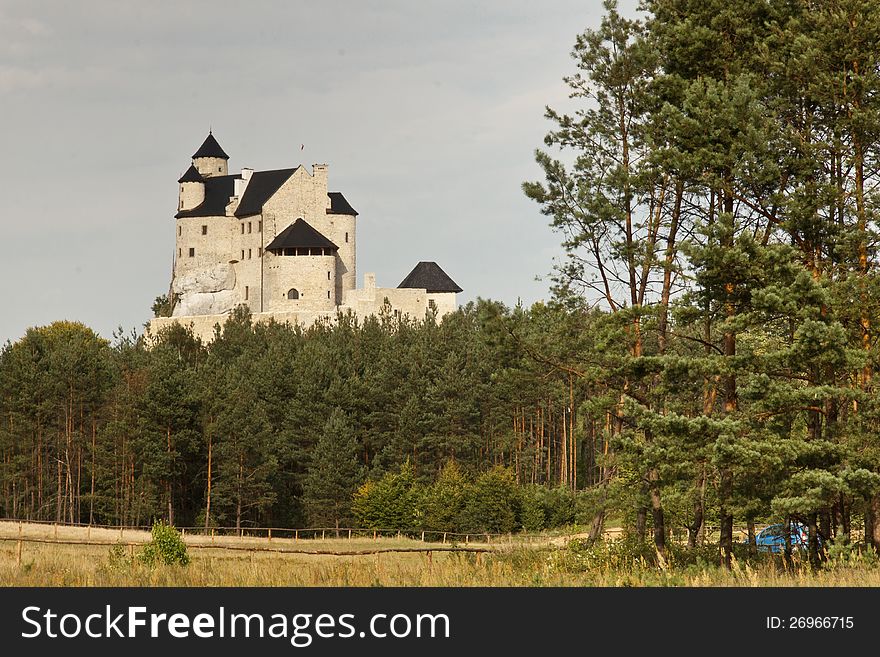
292	294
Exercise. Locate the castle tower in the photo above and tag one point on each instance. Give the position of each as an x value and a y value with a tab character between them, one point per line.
192	189
210	160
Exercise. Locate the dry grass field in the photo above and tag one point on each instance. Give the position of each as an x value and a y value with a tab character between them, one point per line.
517	563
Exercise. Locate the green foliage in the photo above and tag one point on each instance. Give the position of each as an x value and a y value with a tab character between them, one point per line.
166	547
334	474
391	502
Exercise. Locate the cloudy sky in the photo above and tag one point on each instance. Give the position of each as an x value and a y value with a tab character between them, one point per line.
427	112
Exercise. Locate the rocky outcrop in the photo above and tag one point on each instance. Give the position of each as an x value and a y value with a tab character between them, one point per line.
205	291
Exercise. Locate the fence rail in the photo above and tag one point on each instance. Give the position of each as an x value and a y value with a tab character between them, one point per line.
306	533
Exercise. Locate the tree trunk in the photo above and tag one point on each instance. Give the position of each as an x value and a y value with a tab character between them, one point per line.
813	541
208	495
875	521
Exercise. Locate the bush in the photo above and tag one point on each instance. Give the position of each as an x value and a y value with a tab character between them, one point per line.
392	502
167	547
493	504
444	501
546	508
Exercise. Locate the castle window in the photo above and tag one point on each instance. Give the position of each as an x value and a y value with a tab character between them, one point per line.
249	227
292	294
242	254
328	294
346	237
179	253
260	252
249	254
328	275
180	230
242	229
432	305
219	169
192	252
260	226
246	292
204	230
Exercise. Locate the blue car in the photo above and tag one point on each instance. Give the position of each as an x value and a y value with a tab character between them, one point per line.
772	538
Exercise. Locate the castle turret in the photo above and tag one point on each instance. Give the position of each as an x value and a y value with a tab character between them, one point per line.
210	160
192	189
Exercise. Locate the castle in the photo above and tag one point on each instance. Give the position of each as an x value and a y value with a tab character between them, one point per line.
283	245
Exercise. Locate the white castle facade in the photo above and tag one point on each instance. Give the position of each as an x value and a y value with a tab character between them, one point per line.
283	245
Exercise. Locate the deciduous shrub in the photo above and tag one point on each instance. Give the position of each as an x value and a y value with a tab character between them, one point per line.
167	547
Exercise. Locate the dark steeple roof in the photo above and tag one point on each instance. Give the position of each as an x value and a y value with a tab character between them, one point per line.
338	204
259	189
192	175
302	235
210	148
429	277
218	189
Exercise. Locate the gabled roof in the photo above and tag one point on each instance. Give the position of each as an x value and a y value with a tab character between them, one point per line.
210	148
218	189
260	188
192	175
338	204
302	235
429	277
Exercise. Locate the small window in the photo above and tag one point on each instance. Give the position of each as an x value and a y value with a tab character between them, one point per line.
180	230
292	294
260	226
246	292
242	254
192	252
432	305
179	253
204	230
249	254
242	229
328	294
181	189
249	227
328	275
346	237
259	252
219	169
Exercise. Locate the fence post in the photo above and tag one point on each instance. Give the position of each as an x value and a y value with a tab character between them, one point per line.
423	537
55	530
488	540
295	535
467	539
212	534
374	534
270	534
322	534
241	534
444	538
398	534
349	534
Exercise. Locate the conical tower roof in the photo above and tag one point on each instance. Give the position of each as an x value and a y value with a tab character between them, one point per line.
192	175
210	148
428	276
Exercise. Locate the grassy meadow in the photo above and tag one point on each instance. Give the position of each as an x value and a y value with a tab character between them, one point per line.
551	562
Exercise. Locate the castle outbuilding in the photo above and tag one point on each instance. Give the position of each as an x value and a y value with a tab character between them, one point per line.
283	245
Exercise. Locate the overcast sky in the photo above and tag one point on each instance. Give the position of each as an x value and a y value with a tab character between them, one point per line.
427	113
